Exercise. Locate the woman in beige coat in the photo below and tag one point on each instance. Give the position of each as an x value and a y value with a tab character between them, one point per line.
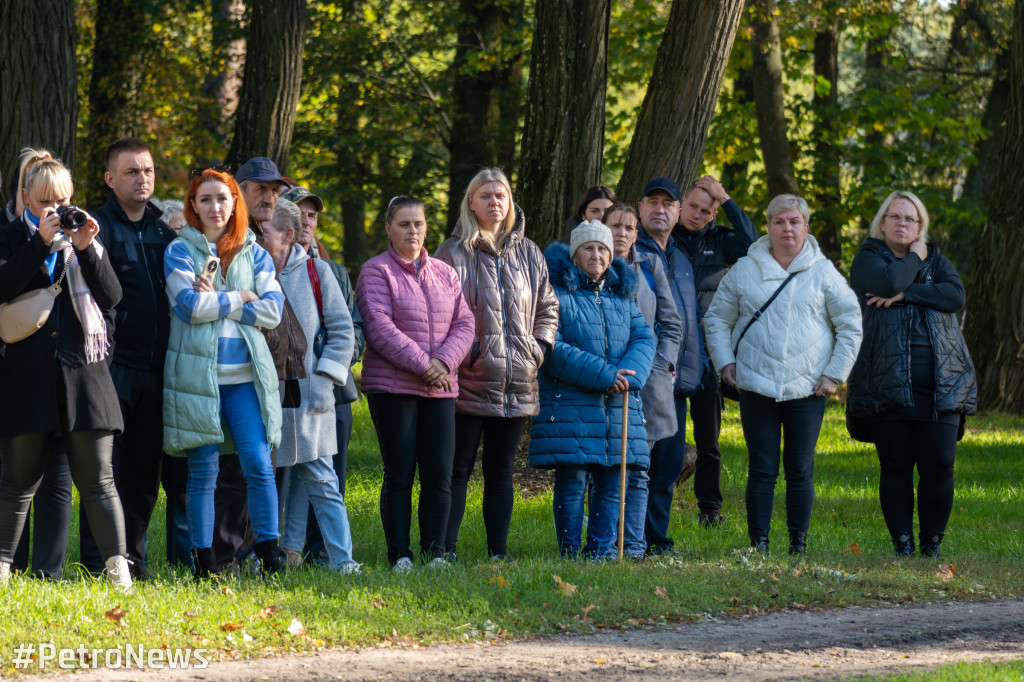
505	281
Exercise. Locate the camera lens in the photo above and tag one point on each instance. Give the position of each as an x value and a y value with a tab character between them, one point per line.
71	217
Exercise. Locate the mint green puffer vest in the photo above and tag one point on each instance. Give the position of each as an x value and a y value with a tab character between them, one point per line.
191	396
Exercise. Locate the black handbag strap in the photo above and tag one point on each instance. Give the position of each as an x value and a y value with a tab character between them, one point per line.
757	316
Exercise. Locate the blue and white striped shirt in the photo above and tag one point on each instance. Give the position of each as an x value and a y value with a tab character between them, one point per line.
234	364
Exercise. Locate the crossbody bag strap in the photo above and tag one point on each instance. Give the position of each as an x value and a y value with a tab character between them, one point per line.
314	280
67	264
757	316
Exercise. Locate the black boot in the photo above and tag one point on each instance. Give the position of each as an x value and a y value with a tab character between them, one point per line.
797	542
272	559
903	542
930	542
760	543
204	563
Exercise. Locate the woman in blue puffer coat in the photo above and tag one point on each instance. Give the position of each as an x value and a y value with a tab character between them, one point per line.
603	348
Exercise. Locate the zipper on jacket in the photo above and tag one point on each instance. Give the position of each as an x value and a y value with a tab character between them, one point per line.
430	322
504	327
604	396
152	293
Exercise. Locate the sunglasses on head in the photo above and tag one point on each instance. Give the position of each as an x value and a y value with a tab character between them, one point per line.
196	172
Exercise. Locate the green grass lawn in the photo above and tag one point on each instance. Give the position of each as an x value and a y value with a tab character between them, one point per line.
848	562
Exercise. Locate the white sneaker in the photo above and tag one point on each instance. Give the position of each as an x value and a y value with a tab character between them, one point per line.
5	572
118	573
438	563
354	568
294	558
403	565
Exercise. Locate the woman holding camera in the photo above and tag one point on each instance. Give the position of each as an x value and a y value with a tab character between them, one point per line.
56	379
222	290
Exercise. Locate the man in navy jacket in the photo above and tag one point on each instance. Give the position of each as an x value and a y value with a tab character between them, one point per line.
711	249
659	213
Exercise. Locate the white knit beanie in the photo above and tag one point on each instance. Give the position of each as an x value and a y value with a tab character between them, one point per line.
591	231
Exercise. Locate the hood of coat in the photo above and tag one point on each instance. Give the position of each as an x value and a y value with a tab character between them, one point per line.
297	258
760	253
619	277
878	246
513	238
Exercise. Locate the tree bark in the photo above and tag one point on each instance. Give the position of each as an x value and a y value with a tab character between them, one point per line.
38	81
672	127
487	96
995	330
563	135
769	101
113	87
227	58
828	221
271	82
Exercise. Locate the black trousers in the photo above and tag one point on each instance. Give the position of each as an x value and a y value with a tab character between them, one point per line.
138	459
51	510
501	441
233	539
706	412
89	456
931	447
414	432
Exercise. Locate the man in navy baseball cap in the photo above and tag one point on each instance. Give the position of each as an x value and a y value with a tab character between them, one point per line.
261	182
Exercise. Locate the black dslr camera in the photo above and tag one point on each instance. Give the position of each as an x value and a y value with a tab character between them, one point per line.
71	217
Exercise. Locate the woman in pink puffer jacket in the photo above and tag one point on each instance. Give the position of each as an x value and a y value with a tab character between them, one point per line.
418	330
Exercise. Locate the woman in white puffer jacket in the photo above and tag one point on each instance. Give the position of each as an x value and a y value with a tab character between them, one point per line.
785	361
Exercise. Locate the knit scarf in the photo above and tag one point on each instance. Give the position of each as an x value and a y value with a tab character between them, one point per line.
94	327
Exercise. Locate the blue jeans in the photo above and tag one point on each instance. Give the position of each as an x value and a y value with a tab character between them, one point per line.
667	458
240	410
636	513
569	495
766	423
317	482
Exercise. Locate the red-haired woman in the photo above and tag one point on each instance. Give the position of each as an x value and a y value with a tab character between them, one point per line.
222	290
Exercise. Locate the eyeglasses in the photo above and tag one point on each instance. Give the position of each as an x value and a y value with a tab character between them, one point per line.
196	172
896	217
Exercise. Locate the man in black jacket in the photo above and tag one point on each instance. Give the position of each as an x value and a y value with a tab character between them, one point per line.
711	249
135	237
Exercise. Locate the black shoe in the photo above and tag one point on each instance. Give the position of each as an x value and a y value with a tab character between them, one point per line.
710	519
204	563
903	543
272	559
760	543
797	542
930	545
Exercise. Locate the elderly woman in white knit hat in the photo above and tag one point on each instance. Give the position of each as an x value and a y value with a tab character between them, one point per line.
603	347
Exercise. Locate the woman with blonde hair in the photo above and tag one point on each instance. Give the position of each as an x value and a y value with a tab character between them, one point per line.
222	290
505	281
56	379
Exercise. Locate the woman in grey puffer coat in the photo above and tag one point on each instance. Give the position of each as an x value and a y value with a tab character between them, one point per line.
654	298
308	435
505	280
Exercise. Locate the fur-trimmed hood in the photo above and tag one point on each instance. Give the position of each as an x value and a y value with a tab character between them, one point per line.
619	278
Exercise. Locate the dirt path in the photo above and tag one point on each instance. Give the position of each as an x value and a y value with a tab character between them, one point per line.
820	645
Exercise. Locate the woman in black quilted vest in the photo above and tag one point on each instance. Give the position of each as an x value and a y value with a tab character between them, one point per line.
913	382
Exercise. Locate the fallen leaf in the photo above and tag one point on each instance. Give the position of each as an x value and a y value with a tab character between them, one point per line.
946	572
660	591
600	660
565	589
852	549
498	580
226	590
774	592
797	605
117	614
230	627
735	601
296	629
586	612
268	611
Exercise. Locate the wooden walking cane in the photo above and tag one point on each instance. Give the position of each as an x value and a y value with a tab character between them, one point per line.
622	473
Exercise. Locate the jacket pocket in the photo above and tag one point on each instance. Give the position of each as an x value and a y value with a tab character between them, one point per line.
321	393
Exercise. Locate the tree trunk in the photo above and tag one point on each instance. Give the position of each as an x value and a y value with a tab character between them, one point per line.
769	101
224	80
353	171
563	135
38	81
734	173
995	330
672	127
828	221
981	178
485	86
113	88
271	82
